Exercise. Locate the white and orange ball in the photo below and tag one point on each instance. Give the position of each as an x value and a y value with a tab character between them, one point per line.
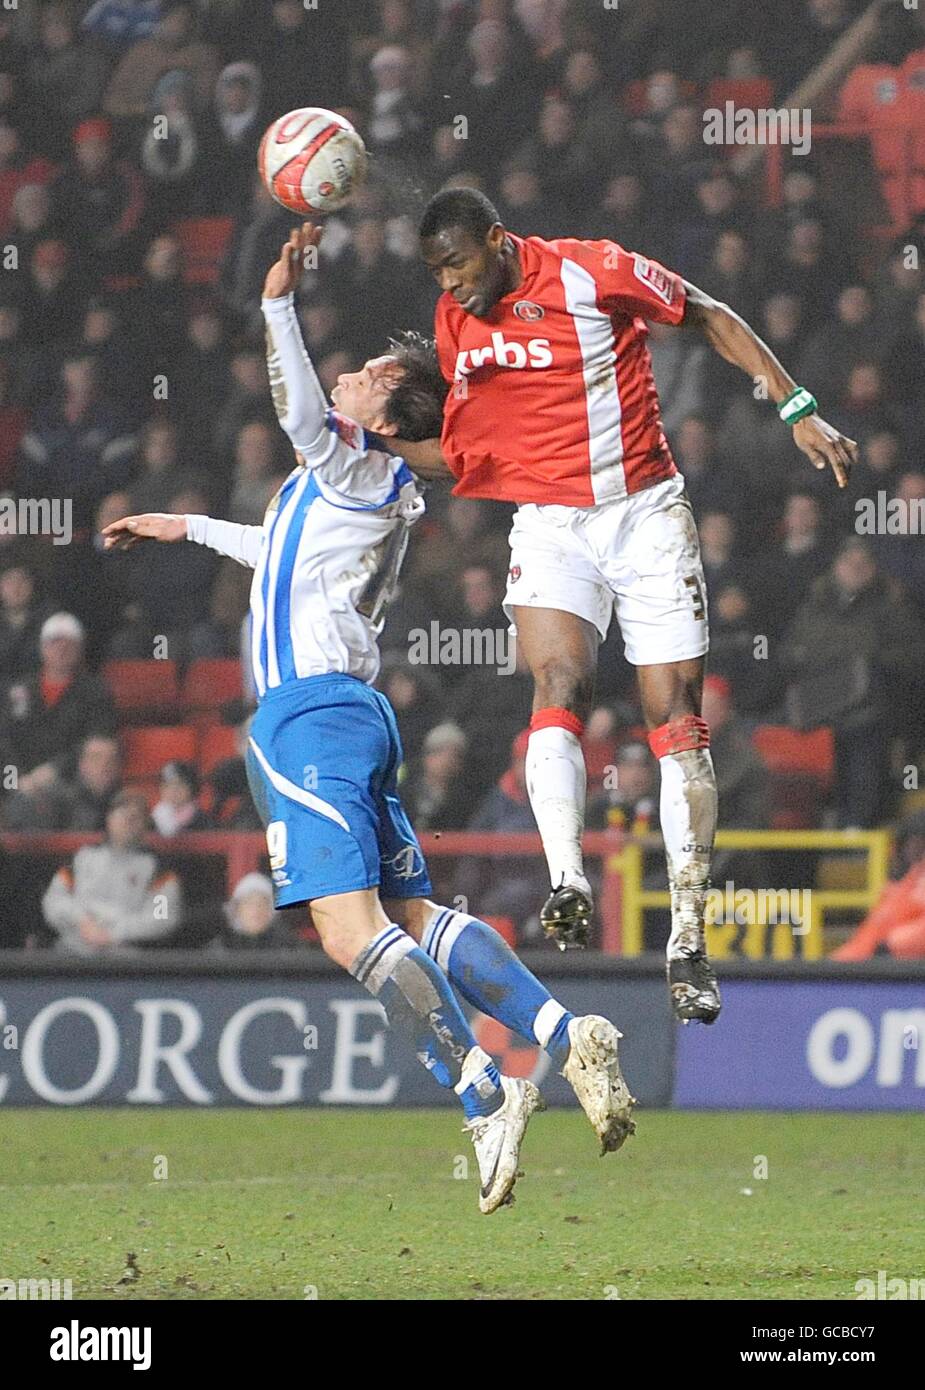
311	160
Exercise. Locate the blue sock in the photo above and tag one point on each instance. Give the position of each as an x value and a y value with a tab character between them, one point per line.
486	972
419	1002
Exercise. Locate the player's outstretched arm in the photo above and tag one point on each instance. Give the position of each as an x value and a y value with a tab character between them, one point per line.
733	339
241	543
154	526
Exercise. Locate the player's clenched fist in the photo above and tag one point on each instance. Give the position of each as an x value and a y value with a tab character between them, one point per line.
155	526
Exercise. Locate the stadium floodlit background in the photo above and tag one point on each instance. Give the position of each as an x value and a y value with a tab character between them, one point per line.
134	238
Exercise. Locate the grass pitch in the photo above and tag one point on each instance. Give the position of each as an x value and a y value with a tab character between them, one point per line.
339	1204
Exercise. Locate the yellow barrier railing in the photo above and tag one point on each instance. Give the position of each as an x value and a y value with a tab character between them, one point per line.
755	911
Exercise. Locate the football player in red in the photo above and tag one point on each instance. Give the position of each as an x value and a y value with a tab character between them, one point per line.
553	406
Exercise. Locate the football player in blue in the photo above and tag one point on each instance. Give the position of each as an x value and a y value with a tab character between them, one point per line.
324	749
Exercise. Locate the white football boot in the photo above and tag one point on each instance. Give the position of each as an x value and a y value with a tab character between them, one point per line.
497	1138
593	1072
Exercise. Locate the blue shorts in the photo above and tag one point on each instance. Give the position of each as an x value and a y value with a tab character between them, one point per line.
322	764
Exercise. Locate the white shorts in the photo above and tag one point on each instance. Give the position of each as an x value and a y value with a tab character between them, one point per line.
639	555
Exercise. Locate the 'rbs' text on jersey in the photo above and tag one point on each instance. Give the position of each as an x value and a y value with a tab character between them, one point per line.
503	353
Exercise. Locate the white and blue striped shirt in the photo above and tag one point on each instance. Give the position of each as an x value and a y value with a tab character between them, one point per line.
327	556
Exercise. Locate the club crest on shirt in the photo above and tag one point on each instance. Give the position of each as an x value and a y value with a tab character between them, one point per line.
655	277
514	573
528	311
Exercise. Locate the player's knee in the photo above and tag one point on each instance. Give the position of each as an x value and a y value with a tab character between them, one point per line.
341	942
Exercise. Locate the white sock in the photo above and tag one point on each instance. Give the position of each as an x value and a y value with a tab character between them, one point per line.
688	819
557	786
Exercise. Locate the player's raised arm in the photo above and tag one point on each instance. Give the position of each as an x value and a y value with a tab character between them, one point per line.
298	398
739	344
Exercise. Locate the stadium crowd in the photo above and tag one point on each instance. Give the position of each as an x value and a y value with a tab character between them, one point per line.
135	237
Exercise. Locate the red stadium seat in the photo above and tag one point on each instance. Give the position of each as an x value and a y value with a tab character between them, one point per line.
146	750
202	247
800	768
211	683
217	742
783	749
143	688
745	93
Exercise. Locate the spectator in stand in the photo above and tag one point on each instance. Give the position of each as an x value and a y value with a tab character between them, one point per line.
721	561
115	893
523	204
811	267
230	139
201	380
895	925
630	801
252	922
22	615
32	220
711	482
508	885
78	447
160	304
18	165
904	371
45	716
852	655
741	785
67	77
232	804
171	153
679	162
104	335
396	127
902	555
173	46
256	475
302	56
880	468
414	694
248	400
741	651
79	805
788	568
376	289
489	88
25	364
567	170
852	337
13	421
863	410
99	200
625	215
260	229
158	476
52	295
120	23
169	594
433	792
600	126
178	809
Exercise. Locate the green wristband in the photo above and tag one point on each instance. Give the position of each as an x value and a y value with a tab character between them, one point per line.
799	403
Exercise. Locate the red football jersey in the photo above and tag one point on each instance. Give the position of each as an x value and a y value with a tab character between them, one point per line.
553	398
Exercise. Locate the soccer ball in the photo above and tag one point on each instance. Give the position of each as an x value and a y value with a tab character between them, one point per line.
311	160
